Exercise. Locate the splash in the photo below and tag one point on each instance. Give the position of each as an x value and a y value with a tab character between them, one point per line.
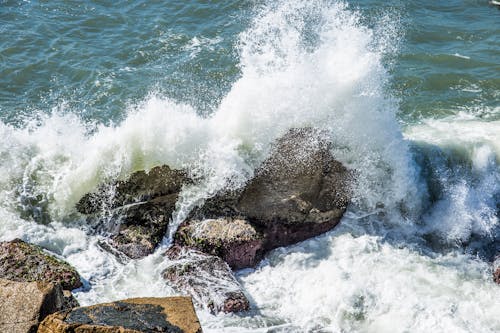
302	63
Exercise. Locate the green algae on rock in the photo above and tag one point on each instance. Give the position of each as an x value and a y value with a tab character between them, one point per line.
23	262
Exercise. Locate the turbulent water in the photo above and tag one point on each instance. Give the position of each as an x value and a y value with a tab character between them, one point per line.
407	92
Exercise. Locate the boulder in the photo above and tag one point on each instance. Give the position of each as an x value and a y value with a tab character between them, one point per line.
300	191
140	227
24	304
496	269
141	186
23	262
300	183
234	240
136	315
207	278
135	213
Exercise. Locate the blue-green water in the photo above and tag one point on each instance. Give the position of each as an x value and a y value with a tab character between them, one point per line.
97	57
408	93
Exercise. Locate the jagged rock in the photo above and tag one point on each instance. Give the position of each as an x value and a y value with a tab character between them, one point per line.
24	304
69	301
299	192
141	186
235	240
496	269
135	213
206	278
147	315
141	227
23	262
300	183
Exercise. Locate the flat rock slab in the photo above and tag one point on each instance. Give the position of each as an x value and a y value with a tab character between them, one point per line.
24	304
207	278
136	315
23	262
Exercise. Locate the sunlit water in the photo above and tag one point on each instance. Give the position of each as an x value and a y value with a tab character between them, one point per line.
407	92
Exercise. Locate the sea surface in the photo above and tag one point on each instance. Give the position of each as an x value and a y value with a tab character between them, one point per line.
408	92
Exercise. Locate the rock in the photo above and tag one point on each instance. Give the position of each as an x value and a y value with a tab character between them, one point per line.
206	278
141	227
496	269
24	304
136	315
69	301
299	192
141	186
135	213
23	262
234	240
300	183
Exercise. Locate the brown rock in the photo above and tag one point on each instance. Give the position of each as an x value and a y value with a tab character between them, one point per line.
24	304
135	213
23	262
300	183
299	192
235	240
141	227
136	315
206	278
141	186
496	269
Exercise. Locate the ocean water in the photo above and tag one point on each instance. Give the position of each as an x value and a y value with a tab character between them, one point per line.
407	92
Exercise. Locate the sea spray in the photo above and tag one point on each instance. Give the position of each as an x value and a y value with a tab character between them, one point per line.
302	63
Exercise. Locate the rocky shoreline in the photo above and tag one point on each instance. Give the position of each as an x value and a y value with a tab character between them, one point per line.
300	191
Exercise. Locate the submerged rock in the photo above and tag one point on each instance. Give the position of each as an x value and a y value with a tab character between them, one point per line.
24	304
235	240
23	262
135	213
148	315
299	192
206	278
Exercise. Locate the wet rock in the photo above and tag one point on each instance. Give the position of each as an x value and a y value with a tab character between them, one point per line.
24	304
234	240
141	227
300	183
23	262
135	213
496	269
299	192
141	186
148	315
206	278
69	301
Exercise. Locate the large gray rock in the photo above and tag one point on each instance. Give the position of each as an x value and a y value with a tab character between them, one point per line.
135	213
299	192
23	262
147	315
206	278
23	305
